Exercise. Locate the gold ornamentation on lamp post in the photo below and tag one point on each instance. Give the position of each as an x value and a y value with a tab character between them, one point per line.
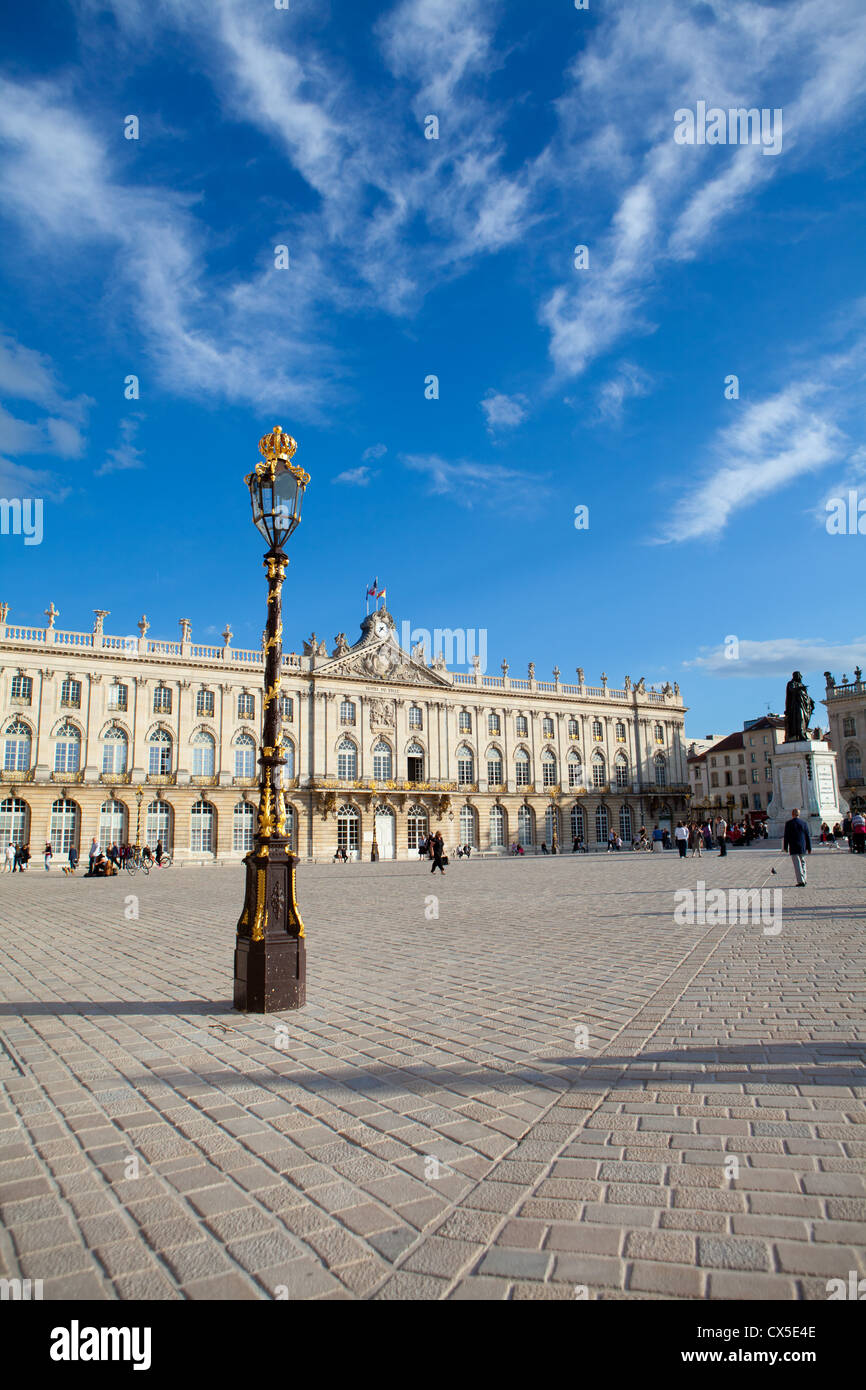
270	954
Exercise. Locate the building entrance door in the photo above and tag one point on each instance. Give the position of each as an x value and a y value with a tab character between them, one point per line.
385	834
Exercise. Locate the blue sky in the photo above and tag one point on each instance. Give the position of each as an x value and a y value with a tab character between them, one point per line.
453	257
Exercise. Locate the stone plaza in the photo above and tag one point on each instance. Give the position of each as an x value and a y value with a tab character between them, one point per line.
520	1080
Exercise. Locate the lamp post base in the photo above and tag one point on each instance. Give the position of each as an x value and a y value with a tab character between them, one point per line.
270	975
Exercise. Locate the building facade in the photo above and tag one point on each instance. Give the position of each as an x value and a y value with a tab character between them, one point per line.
735	774
106	737
846	710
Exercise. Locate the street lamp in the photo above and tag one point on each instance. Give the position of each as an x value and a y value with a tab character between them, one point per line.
139	793
270	965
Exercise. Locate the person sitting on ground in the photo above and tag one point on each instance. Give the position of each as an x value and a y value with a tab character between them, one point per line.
467	850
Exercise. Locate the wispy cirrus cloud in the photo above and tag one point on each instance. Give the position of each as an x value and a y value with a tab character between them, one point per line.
125	455
470	484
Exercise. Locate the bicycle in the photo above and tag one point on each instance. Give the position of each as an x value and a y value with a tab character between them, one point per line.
137	861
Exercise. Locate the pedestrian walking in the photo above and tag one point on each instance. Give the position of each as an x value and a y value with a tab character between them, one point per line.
94	851
721	829
658	840
798	843
440	858
73	859
858	832
9	858
697	841
681	835
46	855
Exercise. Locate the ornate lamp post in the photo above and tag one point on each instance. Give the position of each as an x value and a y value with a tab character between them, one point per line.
138	796
270	969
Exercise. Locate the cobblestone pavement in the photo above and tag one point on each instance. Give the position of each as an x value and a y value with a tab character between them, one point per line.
432	1125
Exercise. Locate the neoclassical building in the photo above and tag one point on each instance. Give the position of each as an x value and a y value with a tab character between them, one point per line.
846	710
103	736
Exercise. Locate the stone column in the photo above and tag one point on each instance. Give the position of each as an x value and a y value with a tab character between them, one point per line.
183	721
139	712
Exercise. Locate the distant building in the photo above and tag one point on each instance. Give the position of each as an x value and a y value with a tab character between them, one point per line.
735	774
846	709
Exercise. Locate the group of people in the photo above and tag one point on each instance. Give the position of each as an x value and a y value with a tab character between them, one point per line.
16	858
852	832
101	863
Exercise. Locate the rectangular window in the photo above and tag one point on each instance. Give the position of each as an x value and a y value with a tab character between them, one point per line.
287	708
714	779
755	774
598	778
246	706
494	772
522	724
756	801
415	717
117	697
464	722
849	728
70	694
729	781
22	689
162	700
547	728
493	724
204	702
522	773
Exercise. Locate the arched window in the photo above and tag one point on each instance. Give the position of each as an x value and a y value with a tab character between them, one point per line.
16	753
382	761
625	825
201	835
157	825
573	728
599	771
13	821
551	825
620	731
548	767
525	836
465	767
575	770
347	712
621	766
63	829
521	767
159	753
203	754
415	762
347	760
348	829
417	823
112	824
494	767
602	825
467	827
245	757
853	765
243	824
114	751
578	823
661	770
67	749
497	827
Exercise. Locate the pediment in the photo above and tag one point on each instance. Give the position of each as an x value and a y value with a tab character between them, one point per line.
382	661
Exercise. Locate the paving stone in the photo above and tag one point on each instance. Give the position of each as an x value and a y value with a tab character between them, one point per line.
516	1264
727	1252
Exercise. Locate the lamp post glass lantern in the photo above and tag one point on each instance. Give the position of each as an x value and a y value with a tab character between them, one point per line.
270	968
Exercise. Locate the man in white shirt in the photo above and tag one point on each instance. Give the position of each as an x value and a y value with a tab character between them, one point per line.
681	835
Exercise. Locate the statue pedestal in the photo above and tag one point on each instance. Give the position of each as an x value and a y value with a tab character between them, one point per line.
804	775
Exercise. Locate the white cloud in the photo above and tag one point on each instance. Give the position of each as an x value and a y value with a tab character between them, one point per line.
779	656
504	412
630	381
468	483
125	455
375	451
356	477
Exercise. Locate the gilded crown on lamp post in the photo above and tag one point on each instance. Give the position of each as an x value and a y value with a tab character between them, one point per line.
277	444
